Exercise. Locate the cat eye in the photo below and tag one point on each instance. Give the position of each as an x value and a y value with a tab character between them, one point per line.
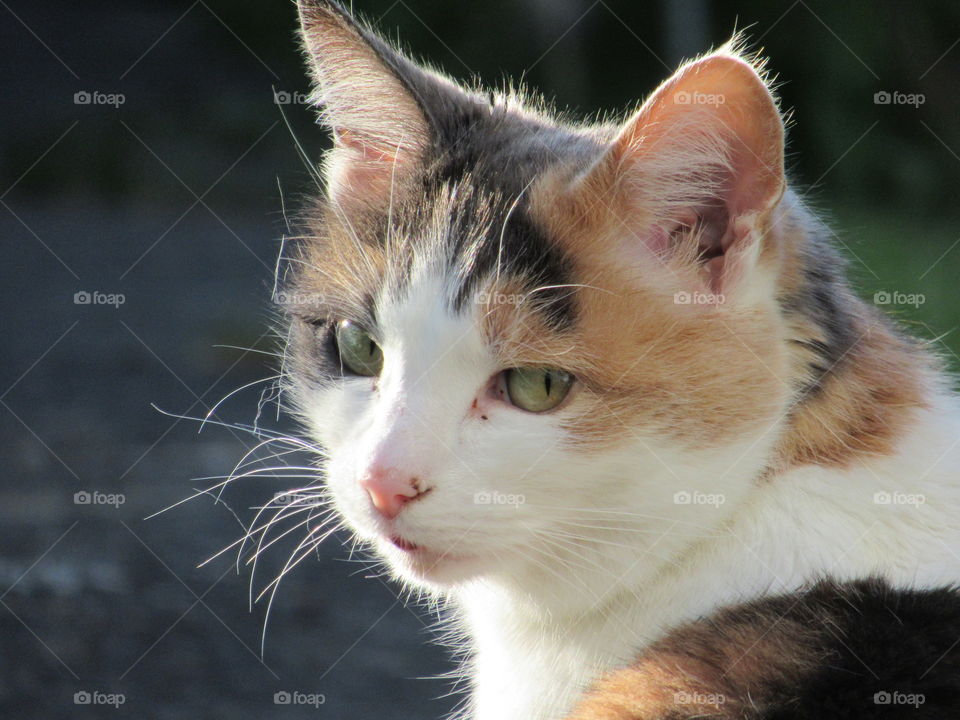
537	389
359	353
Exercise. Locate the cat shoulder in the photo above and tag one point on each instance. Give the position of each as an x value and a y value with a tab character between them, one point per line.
859	649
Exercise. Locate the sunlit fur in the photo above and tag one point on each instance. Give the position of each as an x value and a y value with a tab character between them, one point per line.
826	652
779	411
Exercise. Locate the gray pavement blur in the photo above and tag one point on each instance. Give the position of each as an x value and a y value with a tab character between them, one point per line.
94	597
95	601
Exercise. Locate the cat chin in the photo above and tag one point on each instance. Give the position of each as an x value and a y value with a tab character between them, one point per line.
435	569
431	569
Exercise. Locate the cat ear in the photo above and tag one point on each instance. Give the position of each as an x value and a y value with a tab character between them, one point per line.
701	165
378	126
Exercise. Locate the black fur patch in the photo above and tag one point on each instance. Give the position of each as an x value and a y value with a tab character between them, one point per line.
889	653
500	155
835	651
821	300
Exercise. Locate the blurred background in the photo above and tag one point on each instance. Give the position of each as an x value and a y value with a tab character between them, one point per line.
148	151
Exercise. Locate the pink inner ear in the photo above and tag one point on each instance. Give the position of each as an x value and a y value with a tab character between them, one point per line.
366	149
710	142
363	171
660	240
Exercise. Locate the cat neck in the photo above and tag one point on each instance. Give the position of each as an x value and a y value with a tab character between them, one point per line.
891	516
858	380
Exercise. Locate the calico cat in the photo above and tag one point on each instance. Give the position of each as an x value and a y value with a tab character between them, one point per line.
595	386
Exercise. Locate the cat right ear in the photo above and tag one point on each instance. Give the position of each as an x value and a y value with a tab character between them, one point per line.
379	128
697	170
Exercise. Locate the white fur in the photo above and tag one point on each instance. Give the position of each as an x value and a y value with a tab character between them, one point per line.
806	524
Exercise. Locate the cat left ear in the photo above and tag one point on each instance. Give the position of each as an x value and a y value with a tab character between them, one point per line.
701	164
378	126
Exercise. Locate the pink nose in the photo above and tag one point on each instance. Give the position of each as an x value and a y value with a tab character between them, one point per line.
389	490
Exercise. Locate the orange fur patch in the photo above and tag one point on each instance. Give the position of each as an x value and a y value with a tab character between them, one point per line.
335	267
865	405
649	362
864	402
705	374
726	667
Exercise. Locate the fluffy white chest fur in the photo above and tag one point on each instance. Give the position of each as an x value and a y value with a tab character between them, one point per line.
895	517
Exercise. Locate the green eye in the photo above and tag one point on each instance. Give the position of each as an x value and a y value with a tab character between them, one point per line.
537	389
358	352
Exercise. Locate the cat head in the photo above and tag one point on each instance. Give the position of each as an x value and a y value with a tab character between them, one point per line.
525	344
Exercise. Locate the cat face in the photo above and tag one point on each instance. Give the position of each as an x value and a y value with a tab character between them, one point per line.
526	347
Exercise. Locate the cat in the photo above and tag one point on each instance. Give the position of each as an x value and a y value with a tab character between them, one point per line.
587	384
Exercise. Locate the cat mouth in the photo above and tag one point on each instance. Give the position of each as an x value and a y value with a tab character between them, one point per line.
423	557
436	564
405	545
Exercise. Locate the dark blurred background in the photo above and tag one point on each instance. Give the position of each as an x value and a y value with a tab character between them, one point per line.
144	156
